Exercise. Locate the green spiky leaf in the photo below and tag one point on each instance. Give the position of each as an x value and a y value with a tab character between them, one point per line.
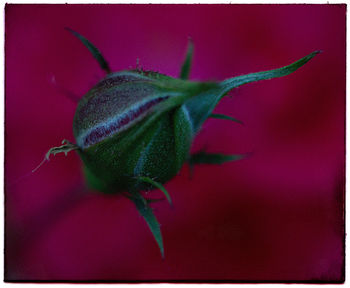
225	117
234	82
200	107
213	158
65	148
146	212
94	51
186	66
157	185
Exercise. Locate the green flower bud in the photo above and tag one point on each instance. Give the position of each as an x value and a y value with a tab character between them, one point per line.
134	129
134	124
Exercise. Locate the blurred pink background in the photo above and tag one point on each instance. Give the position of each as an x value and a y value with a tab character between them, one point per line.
276	216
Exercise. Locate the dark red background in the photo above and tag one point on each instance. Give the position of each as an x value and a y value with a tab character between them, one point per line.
276	216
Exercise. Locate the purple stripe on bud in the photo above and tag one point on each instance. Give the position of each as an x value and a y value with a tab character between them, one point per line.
99	133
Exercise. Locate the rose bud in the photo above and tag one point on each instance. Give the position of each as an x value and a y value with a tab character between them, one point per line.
134	128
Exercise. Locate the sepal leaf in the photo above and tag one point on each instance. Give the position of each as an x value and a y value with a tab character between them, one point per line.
234	82
225	117
94	51
213	158
65	148
200	107
146	212
157	185
186	66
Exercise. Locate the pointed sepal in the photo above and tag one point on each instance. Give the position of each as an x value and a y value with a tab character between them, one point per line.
225	117
65	148
157	185
186	66
213	158
234	82
94	51
146	212
200	107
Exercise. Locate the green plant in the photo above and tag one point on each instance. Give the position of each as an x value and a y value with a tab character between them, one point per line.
134	129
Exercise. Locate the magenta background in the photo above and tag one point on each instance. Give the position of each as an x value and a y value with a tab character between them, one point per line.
276	216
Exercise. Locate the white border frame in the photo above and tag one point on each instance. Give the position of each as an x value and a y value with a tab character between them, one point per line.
2	32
